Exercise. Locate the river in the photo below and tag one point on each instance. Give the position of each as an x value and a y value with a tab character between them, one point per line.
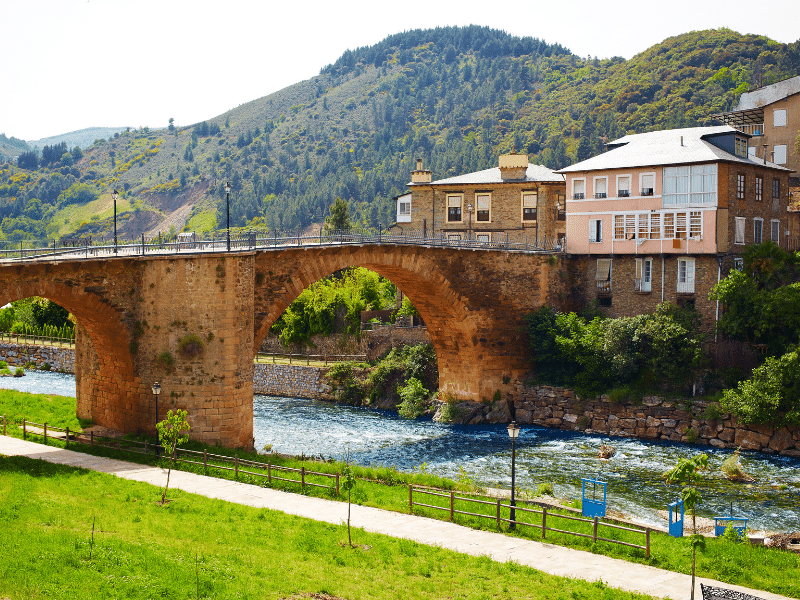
483	453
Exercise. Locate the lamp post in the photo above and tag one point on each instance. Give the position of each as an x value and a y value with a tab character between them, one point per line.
228	206
156	392
513	433
469	210
115	195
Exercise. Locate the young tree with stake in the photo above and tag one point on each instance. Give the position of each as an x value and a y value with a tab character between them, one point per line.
172	432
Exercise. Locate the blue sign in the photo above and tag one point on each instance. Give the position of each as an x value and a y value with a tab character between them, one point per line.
676	514
593	507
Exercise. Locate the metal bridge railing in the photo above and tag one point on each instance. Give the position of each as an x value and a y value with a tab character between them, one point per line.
73	248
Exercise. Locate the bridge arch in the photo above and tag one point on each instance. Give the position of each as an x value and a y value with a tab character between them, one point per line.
102	344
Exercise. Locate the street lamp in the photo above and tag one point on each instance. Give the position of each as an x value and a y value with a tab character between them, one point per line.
513	433
156	393
228	205
115	195
469	210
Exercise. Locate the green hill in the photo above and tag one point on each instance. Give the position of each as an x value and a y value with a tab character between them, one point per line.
455	97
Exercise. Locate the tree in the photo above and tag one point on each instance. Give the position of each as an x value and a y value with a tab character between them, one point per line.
688	473
414	396
339	219
171	126
347	482
171	434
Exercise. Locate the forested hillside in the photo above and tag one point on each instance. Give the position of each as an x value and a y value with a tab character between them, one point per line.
455	97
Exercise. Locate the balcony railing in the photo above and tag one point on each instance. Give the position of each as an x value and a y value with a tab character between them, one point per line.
686	286
623	193
604	286
600	195
641	285
754	129
578	196
647	191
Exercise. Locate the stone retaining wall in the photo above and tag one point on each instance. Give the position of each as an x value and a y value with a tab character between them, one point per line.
59	359
372	343
289	380
656	418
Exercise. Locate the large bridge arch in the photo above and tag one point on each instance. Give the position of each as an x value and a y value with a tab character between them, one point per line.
472	302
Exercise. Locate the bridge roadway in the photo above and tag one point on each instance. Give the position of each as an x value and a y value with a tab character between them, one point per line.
193	318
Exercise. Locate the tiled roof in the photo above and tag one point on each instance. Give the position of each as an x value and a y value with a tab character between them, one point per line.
768	94
534	174
668	147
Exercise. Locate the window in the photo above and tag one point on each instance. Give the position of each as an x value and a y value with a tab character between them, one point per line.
779	117
404	209
596	230
695	184
561	207
644	229
630	227
454	209
454	237
759	189
779	154
669	226
776	189
775	231
738	264
739	233
625	227
529	201
600	187
578	189
655	226
740	147
680	226
484	202
647	184
483	238
619	227
642	281
696	225
603	275
686	276
740	185
758	230
623	186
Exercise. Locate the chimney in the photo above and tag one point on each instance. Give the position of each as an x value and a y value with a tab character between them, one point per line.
420	175
513	166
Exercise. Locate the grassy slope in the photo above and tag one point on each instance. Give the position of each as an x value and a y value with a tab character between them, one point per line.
198	547
742	564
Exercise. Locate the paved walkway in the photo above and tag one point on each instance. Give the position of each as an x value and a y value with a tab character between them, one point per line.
556	560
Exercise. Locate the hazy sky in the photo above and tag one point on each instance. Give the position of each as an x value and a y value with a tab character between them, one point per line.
72	64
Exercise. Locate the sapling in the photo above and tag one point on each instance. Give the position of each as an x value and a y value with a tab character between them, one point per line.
172	432
347	483
687	473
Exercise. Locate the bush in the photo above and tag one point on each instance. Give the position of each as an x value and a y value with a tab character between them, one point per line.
414	396
190	346
166	361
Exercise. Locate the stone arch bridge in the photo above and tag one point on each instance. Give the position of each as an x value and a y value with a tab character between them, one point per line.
193	322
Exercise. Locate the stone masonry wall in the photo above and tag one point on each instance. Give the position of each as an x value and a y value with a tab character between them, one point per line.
289	380
656	418
59	359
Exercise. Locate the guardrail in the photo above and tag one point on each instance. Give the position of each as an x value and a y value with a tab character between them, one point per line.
33	249
498	506
308	358
33	340
209	461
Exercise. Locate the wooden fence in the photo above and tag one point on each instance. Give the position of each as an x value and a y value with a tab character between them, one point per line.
308	358
191	457
497	516
35	340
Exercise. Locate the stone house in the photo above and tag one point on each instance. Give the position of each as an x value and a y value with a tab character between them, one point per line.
515	202
663	216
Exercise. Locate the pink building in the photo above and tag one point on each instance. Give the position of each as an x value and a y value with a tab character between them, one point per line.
664	215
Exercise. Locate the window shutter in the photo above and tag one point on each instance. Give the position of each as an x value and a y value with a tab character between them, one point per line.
603	269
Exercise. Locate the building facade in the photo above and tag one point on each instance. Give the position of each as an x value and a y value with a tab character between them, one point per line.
663	216
515	202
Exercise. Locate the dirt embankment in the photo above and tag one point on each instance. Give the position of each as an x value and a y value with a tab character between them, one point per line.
176	207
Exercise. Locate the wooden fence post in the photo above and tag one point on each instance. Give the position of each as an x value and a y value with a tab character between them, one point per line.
647	542
337	484
66	438
236	465
4	424
24	429
45	434
119	441
269	472
594	531
497	518
91	439
205	460
302	478
544	522
451	504
410	498
145	447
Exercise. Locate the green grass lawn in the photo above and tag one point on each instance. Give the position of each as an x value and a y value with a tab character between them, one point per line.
70	533
756	567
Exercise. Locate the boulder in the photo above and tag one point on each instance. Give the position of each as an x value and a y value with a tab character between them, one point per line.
781	440
751	440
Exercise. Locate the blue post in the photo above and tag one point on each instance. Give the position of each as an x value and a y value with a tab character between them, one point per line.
675	523
592	507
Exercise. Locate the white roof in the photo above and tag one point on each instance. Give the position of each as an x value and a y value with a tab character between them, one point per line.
668	147
534	174
768	94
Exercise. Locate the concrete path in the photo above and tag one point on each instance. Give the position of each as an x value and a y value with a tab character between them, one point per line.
556	560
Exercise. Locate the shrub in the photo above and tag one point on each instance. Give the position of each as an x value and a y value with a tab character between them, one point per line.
20	372
545	489
45	367
190	346
414	396
166	361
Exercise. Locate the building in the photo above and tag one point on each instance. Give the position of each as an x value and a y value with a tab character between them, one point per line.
663	216
515	202
771	115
